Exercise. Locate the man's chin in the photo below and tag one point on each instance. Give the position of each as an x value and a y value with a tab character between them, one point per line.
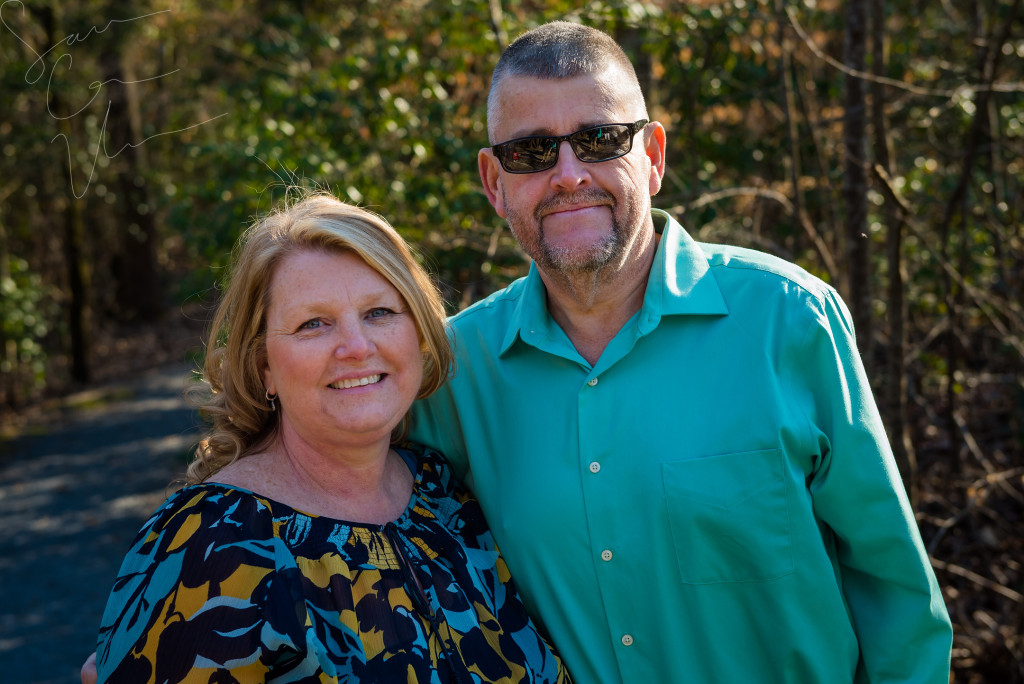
576	260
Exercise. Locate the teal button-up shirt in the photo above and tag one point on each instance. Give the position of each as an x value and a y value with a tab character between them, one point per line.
714	500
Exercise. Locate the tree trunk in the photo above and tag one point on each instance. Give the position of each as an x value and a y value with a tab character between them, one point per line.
76	269
894	399
8	351
795	167
990	54
855	186
137	288
78	307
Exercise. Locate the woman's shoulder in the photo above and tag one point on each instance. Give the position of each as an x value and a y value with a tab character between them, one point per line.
443	495
432	472
202	573
200	514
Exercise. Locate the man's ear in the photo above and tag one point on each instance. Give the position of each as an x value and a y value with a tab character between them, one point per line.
655	149
490	178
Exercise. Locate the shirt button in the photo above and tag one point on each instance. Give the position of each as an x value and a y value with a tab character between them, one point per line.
595	467
592	382
627	640
606	555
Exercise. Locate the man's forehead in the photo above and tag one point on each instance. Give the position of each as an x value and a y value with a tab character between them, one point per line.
527	105
611	82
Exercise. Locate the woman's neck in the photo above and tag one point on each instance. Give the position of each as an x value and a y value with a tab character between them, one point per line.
370	485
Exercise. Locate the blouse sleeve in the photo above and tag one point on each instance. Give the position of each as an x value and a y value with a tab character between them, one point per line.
195	594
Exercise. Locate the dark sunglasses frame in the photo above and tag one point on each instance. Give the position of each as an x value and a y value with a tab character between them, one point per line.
502	150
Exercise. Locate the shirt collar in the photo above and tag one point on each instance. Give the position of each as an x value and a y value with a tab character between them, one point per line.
531	320
680	283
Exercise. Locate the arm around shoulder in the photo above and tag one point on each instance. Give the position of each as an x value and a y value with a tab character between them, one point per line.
436	424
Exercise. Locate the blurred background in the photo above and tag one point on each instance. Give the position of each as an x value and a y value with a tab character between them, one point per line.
878	143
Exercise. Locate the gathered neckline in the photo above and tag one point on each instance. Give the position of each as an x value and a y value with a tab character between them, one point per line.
411	459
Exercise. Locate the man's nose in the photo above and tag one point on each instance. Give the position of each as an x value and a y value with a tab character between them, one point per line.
569	172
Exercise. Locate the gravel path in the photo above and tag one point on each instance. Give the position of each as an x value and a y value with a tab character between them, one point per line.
74	489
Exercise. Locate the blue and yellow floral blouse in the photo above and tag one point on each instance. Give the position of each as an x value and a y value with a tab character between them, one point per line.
224	585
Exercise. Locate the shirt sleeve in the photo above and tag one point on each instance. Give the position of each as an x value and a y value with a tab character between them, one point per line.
435	424
193	596
895	603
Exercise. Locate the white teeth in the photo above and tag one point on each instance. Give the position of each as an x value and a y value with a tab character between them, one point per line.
356	382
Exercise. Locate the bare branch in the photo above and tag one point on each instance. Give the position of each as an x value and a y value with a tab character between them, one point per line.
977	579
828	260
960	91
712	197
983	300
494	7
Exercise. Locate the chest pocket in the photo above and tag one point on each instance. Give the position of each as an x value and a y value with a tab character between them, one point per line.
729	517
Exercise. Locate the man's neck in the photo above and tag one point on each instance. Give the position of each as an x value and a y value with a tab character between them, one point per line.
592	307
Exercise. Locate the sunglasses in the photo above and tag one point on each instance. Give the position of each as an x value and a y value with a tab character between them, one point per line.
594	144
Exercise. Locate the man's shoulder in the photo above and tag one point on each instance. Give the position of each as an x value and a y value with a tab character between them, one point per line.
743	265
497	306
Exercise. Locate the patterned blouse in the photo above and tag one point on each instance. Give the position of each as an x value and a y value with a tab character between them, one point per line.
223	585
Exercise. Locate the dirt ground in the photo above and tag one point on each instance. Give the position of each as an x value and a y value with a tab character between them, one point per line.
75	486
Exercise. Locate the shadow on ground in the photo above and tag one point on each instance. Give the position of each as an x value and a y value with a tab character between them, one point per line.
75	487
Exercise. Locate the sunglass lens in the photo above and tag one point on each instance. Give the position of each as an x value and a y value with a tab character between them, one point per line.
601	142
530	154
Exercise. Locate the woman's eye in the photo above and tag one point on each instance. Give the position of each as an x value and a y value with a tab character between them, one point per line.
380	312
310	325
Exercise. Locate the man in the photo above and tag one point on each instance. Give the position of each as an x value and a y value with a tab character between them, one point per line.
675	444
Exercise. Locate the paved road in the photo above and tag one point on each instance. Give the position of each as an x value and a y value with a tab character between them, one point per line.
73	493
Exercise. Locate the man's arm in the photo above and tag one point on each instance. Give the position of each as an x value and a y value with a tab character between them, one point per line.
435	423
895	602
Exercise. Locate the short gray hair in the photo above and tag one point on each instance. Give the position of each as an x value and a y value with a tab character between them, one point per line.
558	50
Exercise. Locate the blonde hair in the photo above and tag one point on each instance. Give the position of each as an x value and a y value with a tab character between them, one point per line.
235	397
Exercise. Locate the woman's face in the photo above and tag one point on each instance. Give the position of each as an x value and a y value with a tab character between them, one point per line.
343	353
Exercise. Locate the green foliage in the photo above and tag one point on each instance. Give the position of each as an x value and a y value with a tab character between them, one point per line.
384	104
27	309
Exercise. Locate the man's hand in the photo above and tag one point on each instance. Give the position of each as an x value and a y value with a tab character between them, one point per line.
89	670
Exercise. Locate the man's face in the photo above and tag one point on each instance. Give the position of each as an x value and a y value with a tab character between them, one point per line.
575	217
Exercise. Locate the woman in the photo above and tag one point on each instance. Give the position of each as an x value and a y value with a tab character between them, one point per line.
308	545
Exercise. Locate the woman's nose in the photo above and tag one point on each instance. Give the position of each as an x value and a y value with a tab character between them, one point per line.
353	342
